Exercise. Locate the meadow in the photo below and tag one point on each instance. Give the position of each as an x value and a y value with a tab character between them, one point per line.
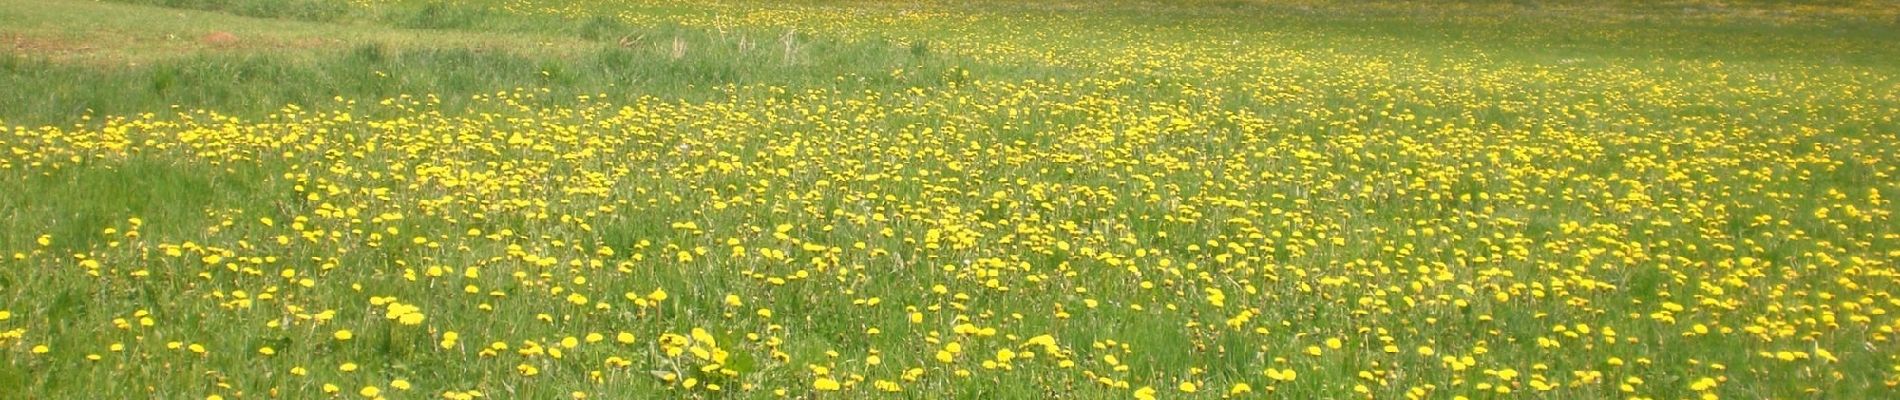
840	199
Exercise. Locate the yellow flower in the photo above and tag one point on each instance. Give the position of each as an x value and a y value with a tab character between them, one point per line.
826	384
887	386
344	334
1145	393
1703	384
1240	388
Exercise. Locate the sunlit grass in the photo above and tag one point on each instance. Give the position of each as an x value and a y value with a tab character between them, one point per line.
933	200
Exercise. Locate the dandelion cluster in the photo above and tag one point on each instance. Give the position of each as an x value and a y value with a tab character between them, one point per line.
1202	219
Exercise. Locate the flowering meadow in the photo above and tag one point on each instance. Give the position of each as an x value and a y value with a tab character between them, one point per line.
557	199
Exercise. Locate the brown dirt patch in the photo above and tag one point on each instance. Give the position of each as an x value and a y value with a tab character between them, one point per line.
219	39
40	45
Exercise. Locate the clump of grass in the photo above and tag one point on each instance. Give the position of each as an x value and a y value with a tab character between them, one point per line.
602	28
438	15
920	48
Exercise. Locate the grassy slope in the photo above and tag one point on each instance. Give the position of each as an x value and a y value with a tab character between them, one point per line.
156	60
109	35
157	57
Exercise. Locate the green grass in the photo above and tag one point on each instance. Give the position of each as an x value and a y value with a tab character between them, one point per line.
161	63
1480	179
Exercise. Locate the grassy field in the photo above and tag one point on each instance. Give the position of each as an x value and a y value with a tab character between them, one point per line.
539	199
